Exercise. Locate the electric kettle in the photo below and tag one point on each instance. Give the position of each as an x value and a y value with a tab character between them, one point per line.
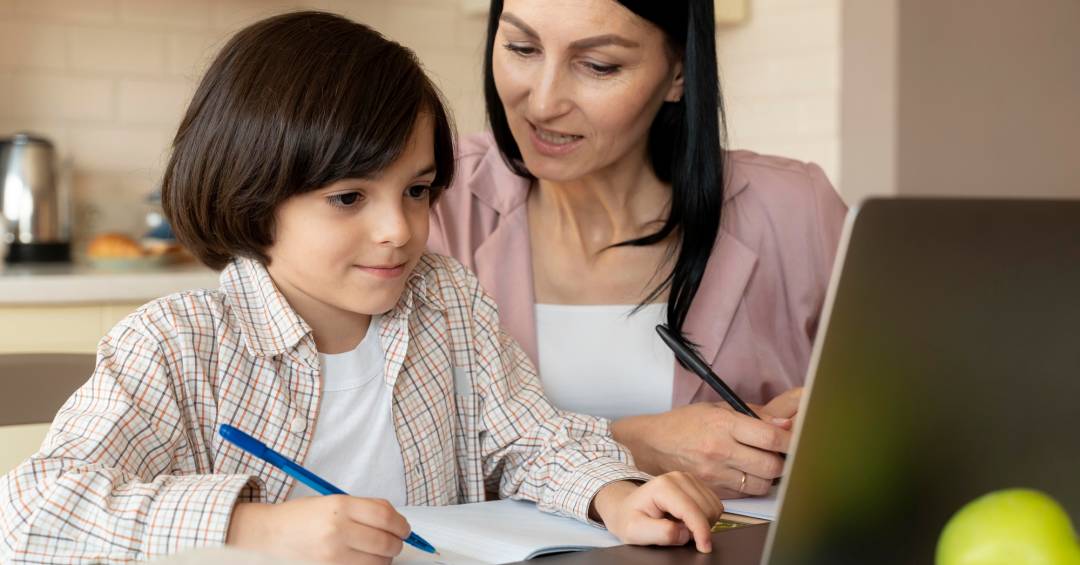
36	211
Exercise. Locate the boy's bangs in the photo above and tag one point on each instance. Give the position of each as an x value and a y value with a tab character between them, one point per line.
361	130
291	104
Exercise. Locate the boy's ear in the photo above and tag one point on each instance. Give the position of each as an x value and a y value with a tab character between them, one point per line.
675	91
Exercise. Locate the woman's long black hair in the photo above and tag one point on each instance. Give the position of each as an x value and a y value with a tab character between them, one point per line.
685	143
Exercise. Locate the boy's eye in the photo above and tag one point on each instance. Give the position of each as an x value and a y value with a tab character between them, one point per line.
344	200
419	191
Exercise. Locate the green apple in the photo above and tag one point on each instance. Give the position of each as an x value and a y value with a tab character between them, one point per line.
1009	527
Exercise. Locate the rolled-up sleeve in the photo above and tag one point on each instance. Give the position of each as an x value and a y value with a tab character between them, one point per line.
532	450
101	489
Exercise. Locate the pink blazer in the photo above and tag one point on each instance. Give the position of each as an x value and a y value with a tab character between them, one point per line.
756	312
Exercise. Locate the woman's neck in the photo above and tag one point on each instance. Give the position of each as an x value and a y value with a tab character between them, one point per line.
622	202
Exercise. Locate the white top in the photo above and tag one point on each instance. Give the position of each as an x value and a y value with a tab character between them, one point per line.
355	447
602	361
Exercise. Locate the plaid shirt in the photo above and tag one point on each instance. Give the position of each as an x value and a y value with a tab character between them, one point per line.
133	466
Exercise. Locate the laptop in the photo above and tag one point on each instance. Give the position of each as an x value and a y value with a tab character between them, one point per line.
947	366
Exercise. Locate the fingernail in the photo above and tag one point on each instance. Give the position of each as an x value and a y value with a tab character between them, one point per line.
780	421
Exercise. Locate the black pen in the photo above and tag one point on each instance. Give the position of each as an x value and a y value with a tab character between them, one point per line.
692	361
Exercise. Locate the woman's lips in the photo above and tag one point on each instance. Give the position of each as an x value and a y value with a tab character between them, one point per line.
551	143
384	271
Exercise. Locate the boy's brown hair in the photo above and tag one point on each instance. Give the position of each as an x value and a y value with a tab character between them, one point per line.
291	103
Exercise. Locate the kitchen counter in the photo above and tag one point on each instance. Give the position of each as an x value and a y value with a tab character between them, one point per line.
83	284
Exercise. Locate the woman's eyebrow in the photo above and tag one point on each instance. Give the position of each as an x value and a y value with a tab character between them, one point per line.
516	22
604	40
587	43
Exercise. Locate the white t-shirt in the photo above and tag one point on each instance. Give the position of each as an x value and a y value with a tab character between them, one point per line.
599	360
355	447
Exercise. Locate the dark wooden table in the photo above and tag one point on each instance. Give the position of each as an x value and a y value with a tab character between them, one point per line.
739	546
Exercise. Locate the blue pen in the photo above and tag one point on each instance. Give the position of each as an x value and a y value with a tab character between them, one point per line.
294	470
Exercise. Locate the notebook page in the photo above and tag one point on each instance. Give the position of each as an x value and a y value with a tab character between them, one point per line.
496	532
763	507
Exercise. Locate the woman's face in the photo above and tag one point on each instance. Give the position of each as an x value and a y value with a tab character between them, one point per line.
581	81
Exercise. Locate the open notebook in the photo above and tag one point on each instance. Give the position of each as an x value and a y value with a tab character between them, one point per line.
505	531
501	531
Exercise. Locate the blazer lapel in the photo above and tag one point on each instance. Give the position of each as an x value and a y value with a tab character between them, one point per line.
726	276
504	267
714	306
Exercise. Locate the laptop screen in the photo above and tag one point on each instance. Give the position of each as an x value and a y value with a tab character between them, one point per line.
948	367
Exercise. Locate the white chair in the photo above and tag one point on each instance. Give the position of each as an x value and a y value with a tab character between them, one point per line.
33	386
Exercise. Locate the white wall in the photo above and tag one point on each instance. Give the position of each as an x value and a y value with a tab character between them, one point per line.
780	71
108	80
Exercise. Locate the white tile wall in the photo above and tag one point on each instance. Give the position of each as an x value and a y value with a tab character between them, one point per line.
108	80
780	72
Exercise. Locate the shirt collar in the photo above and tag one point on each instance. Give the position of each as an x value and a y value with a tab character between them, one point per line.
271	326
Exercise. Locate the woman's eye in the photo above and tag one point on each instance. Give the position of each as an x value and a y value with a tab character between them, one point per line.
419	191
345	200
601	69
523	50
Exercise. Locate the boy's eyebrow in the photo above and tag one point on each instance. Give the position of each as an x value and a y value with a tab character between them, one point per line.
430	169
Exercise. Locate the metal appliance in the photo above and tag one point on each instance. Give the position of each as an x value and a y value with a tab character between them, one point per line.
33	205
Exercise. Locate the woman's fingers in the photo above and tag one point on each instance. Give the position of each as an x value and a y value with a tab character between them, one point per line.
785	405
756	433
734	486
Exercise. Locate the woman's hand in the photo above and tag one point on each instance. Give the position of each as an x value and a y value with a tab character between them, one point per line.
784	406
333	529
714	443
668	510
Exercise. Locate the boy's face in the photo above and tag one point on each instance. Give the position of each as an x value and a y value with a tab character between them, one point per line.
348	248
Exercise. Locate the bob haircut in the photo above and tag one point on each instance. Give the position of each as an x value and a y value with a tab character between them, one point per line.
685	142
292	103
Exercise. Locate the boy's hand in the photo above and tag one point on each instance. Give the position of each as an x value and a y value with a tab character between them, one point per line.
667	510
334	529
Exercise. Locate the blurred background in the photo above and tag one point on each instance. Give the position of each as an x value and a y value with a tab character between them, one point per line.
888	96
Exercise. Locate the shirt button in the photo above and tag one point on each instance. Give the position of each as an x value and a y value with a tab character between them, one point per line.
298	425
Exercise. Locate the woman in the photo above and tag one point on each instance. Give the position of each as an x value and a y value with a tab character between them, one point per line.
603	203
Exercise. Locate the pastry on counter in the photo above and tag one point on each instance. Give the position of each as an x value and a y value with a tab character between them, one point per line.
114	246
167	250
